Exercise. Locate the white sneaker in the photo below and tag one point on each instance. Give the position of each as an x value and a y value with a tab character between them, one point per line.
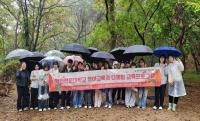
49	108
90	107
143	108
160	108
75	106
61	108
68	107
127	106
154	107
44	109
20	110
40	110
138	107
36	108
31	108
106	106
55	108
85	106
25	109
110	106
79	106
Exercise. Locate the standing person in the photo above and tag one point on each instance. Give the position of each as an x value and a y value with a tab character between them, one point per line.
65	95
98	92
143	92
160	91
87	93
108	91
43	95
130	93
116	65
54	96
22	83
78	94
176	84
34	87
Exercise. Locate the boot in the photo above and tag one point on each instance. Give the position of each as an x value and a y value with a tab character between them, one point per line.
170	106
174	107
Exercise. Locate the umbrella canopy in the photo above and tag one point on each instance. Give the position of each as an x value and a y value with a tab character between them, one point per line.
73	58
138	50
55	53
118	54
18	53
36	56
75	48
51	59
167	51
102	55
92	50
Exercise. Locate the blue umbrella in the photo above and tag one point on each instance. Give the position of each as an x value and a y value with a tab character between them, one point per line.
102	55
167	51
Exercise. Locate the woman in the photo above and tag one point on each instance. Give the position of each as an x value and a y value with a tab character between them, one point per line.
108	92
98	92
34	87
78	94
87	93
143	92
23	82
54	96
130	94
176	84
43	95
160	91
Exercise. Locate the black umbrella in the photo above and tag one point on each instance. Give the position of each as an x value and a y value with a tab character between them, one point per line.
102	55
35	56
138	50
75	48
92	49
118	54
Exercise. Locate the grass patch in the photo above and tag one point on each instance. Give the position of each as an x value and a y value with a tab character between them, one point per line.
191	76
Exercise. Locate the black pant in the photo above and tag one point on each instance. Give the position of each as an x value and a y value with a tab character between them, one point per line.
54	99
34	97
118	91
65	98
173	99
22	97
159	95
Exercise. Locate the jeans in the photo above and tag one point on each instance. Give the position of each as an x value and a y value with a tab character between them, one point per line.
77	98
22	97
108	97
130	97
43	103
159	95
88	97
34	97
143	92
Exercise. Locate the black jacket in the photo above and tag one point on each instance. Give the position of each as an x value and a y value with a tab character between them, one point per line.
23	78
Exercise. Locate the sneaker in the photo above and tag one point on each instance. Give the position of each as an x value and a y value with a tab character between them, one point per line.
90	107
49	108
127	106
79	106
85	106
138	107
61	108
154	107
75	106
55	108
25	109
44	109
160	108
20	110
36	108
106	106
143	108
68	107
110	106
40	110
31	108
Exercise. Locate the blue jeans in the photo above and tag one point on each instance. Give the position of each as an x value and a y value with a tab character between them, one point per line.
77	98
88	97
43	103
143	92
108	97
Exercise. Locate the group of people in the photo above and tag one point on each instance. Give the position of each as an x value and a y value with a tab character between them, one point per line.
33	92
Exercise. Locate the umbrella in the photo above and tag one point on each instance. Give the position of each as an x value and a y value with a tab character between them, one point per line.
73	58
167	51
75	48
92	49
118	54
138	50
36	56
18	53
55	53
51	59
102	55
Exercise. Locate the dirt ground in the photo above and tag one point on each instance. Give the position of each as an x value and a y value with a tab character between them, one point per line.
188	110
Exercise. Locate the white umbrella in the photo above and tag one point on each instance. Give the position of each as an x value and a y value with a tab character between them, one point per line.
55	53
18	53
